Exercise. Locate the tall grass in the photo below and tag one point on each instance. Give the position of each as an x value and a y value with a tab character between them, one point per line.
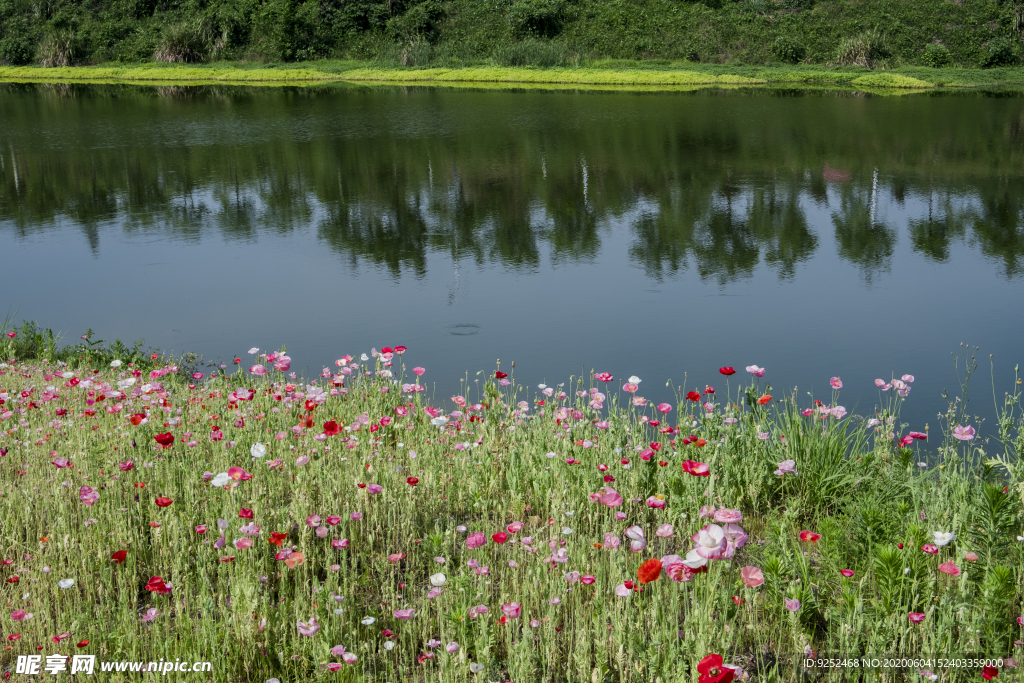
496	457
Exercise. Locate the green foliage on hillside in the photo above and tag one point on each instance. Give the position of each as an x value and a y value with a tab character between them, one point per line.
451	33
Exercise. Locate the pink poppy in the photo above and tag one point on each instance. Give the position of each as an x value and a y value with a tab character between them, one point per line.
727	516
916	617
512	609
848	573
930	549
308	629
475	540
404	614
949	567
752	577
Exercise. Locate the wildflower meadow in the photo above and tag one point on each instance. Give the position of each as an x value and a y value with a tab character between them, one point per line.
349	527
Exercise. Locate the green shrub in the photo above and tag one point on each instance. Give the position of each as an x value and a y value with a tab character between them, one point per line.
998	52
866	49
540	18
531	53
788	50
17	44
936	55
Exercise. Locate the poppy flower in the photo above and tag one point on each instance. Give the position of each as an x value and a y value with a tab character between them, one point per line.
930	549
119	556
764	399
163	501
649	571
500	375
693	395
331	428
82	643
809	536
157	585
412	481
499	537
737	599
989	672
848	573
294	560
245	513
137	419
165	440
277	538
916	617
949	567
711	670
727	370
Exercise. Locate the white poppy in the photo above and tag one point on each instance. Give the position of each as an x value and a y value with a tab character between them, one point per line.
438	579
221	479
942	538
633	379
258	450
66	583
367	621
115	363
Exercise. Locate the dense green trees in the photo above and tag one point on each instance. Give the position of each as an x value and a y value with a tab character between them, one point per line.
543	32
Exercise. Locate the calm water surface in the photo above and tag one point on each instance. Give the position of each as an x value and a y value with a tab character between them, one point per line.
815	234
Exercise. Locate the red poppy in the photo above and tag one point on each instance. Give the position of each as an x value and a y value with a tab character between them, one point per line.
387	349
737	599
331	428
412	481
310	406
119	556
13	637
164	440
140	484
711	670
82	643
400	350
277	538
500	375
848	573
245	513
649	571
163	501
989	672
157	585
137	418
499	537
13	579
727	371
809	536
693	395
764	399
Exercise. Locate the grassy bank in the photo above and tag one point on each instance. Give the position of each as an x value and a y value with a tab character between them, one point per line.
283	528
609	72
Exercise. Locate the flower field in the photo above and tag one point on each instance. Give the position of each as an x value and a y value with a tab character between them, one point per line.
348	528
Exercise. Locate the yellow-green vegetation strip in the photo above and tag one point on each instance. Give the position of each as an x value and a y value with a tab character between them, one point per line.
889	80
512	76
524	75
176	74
